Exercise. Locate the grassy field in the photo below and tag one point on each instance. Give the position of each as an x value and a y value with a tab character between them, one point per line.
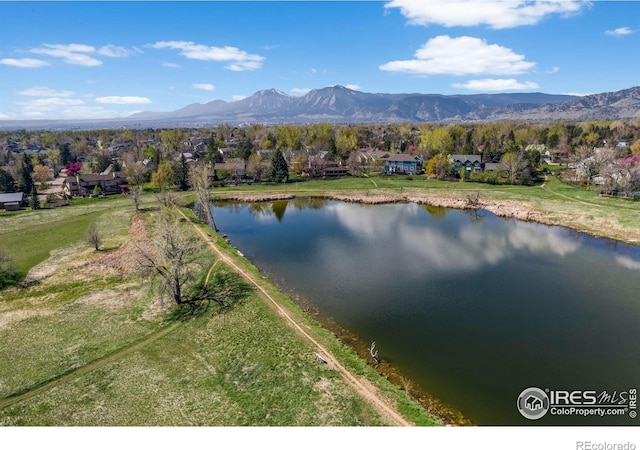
85	343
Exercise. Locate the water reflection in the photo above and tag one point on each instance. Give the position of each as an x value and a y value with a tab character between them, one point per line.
461	246
435	211
628	262
472	310
266	211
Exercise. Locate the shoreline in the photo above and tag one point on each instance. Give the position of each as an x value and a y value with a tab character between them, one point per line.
508	209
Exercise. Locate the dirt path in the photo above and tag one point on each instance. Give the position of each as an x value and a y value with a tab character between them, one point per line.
363	387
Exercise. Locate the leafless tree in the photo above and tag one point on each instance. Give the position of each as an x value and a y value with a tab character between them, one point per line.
178	263
373	352
473	199
199	176
7	269
136	195
94	236
515	167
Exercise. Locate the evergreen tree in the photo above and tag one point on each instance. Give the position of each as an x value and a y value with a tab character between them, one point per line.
279	168
182	174
65	154
25	181
33	201
213	151
6	182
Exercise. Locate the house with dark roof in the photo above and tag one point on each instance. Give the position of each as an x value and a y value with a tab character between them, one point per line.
470	162
236	168
84	185
403	163
12	201
321	168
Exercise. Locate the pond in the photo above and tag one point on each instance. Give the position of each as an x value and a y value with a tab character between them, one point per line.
472	308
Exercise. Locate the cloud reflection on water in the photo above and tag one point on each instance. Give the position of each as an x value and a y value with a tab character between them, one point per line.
462	246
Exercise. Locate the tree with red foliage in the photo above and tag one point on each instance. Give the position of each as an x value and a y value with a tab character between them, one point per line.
73	168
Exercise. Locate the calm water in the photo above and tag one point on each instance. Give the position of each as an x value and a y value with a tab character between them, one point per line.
471	307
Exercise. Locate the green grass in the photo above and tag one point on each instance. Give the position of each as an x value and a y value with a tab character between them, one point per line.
95	348
30	236
79	348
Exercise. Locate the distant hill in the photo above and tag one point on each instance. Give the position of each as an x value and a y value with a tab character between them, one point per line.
338	104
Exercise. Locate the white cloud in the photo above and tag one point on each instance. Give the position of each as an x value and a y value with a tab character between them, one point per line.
353	87
496	14
241	66
461	56
24	62
123	100
52	101
493	84
578	94
42	91
89	112
114	51
4	116
203	86
56	108
171	65
300	91
62	108
236	98
70	53
239	59
618	32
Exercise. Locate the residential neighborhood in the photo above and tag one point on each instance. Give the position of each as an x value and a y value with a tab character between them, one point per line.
64	165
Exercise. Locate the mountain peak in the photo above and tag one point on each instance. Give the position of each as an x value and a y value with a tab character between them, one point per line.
340	104
272	91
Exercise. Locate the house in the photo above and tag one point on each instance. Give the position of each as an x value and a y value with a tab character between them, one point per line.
12	201
320	168
84	185
235	167
533	403
403	163
490	167
545	153
470	162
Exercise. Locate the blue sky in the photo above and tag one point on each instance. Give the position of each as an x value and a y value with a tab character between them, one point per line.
68	60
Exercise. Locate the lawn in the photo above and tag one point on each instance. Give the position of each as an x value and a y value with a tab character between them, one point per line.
86	344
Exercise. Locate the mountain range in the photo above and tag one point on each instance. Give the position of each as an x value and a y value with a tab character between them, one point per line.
338	104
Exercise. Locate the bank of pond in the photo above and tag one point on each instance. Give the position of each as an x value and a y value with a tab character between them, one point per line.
468	307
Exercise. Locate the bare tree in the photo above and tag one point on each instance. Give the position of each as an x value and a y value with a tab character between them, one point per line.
94	236
373	352
515	167
473	199
199	176
136	195
8	274
179	262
